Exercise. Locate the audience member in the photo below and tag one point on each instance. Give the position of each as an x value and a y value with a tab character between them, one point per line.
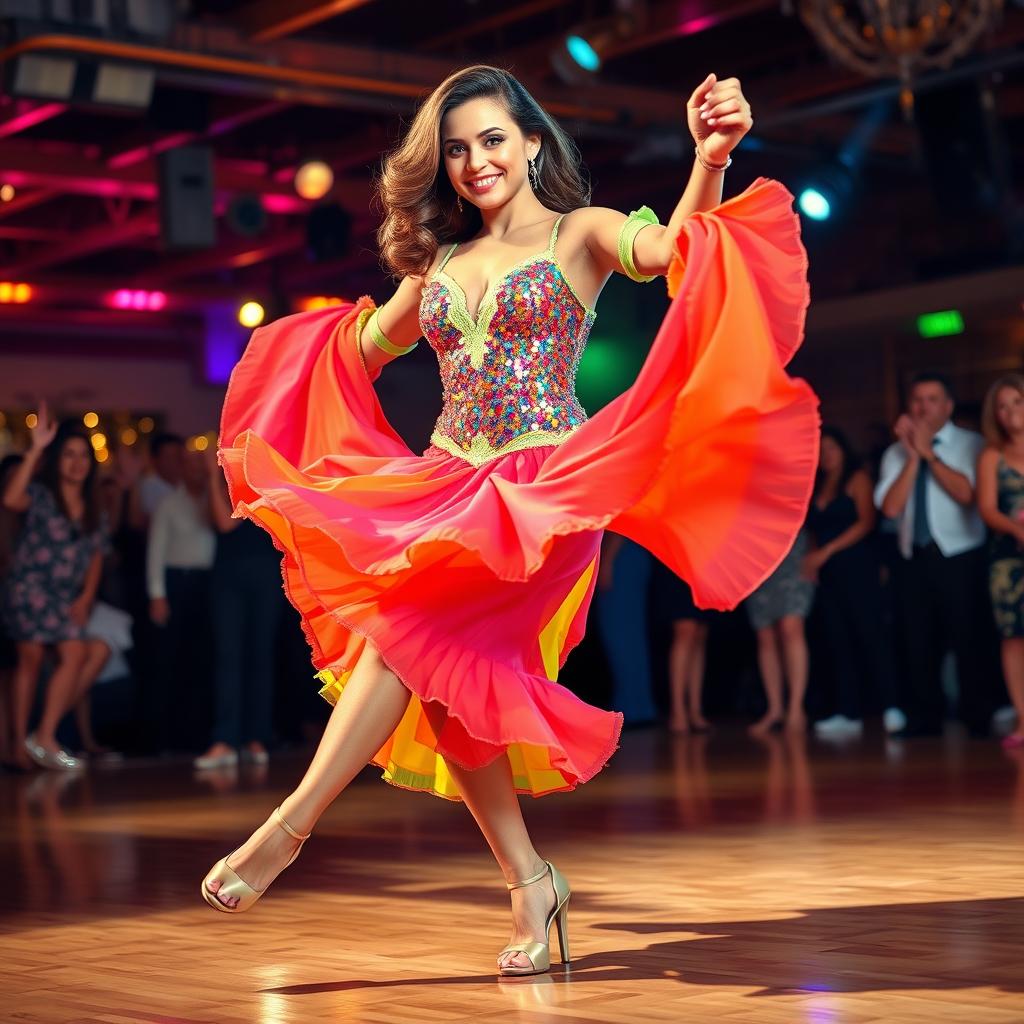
777	611
179	559
246	605
55	572
622	614
1001	505
10	523
167	455
927	482
673	600
849	600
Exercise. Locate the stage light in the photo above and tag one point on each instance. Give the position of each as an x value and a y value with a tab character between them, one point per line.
582	52
315	302
814	204
129	436
99	440
138	298
17	292
7	193
251	314
313	180
941	324
90	419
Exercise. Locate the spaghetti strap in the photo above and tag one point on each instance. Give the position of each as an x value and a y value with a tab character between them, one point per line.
447	257
554	236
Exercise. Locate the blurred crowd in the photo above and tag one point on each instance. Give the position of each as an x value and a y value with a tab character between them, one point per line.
902	598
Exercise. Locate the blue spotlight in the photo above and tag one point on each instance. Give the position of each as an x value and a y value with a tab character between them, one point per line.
814	204
583	53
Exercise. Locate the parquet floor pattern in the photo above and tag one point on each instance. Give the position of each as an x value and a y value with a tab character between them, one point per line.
714	879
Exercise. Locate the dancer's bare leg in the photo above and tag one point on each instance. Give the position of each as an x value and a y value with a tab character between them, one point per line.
369	709
490	795
770	665
793	640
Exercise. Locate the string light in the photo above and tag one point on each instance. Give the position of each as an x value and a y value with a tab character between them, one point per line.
90	419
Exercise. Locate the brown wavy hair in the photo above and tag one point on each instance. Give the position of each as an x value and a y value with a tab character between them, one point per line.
413	189
990	425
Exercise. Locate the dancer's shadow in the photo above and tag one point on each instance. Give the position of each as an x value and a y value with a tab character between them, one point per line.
892	947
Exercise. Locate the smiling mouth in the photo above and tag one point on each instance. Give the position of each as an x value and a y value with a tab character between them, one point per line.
483	184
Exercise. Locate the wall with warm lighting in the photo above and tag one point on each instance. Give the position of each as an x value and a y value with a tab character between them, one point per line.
87	382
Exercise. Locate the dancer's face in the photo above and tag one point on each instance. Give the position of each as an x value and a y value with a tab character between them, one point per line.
1010	410
484	153
75	462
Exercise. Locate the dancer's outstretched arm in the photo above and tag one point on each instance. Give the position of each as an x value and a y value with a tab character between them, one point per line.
398	319
718	116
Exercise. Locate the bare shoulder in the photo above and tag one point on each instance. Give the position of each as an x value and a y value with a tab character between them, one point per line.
988	458
859	481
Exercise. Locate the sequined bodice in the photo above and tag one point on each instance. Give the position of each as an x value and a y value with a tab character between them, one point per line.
509	374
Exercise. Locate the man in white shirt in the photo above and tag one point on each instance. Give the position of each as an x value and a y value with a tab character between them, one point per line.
926	483
166	454
179	557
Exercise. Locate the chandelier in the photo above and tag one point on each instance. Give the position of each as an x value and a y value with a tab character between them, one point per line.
898	38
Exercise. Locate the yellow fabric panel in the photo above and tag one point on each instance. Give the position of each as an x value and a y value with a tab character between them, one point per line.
408	757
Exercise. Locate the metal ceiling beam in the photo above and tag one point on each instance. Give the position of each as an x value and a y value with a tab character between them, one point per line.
271	19
28	115
28	166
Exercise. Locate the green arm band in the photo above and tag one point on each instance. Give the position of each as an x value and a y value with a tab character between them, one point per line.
635	223
379	339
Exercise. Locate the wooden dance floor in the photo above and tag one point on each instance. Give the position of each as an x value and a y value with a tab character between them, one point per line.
715	879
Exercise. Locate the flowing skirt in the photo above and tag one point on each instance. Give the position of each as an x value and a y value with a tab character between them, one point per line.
473	583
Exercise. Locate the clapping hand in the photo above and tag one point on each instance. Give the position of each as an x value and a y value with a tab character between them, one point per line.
718	116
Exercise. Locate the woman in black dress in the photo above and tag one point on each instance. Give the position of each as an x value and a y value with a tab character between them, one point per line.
841	519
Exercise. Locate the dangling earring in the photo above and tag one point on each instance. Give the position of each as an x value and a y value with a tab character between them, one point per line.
534	174
458	202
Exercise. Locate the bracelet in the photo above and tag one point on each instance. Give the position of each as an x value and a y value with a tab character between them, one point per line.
380	339
711	167
633	225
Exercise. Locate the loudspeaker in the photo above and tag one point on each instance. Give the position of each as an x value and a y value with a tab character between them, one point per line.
186	198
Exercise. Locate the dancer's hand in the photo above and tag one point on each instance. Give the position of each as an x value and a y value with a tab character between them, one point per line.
719	116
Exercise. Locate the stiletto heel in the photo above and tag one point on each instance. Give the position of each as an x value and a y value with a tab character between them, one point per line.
231	884
539	953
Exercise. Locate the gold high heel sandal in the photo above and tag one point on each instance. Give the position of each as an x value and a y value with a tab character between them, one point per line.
539	952
232	885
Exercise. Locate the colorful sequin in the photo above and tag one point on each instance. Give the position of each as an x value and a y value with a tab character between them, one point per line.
509	376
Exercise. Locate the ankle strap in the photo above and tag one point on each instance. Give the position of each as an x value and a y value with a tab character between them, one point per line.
535	878
294	833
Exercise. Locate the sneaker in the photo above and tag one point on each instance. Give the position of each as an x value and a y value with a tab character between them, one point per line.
838	726
894	720
206	762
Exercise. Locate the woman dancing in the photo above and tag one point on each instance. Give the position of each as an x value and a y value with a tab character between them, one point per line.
442	592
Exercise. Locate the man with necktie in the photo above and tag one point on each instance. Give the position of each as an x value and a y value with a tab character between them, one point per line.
926	483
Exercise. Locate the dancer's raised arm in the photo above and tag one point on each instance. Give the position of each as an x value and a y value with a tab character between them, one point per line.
394	328
718	116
